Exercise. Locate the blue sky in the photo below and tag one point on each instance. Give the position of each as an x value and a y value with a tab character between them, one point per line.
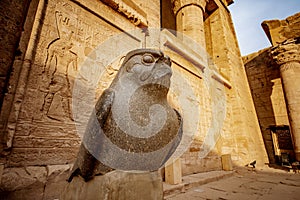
248	15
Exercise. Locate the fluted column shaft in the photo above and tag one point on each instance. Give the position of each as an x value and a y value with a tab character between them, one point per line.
287	55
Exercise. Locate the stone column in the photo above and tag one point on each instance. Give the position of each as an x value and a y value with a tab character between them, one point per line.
287	55
189	20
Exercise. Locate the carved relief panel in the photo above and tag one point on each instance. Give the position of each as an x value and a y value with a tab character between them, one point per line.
68	33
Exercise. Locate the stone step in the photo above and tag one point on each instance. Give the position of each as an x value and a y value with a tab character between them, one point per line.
194	180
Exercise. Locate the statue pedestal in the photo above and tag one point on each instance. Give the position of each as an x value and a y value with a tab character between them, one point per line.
116	185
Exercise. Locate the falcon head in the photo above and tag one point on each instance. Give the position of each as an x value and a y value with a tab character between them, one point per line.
147	67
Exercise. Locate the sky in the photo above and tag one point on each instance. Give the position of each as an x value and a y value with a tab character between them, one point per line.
248	15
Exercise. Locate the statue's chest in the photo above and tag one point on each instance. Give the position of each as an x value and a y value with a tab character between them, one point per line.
142	130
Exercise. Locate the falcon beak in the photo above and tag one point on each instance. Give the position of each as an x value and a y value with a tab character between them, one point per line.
163	72
163	69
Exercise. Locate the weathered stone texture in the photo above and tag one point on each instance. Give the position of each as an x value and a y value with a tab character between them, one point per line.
284	36
287	56
45	102
151	8
12	17
280	30
56	180
173	172
227	162
191	162
33	182
18	178
116	185
241	137
11	28
267	92
60	36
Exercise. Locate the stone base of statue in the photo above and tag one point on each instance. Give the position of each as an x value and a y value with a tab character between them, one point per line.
116	185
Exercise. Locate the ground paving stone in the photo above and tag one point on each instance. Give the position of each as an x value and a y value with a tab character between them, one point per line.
247	183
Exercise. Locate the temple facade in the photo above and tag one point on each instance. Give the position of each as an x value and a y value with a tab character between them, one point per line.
273	75
57	57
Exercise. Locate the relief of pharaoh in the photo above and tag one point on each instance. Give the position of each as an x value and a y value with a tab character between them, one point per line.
133	127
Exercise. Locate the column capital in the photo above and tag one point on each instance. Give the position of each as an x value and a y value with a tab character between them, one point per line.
288	51
179	4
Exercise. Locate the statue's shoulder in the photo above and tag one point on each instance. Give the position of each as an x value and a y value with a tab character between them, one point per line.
105	101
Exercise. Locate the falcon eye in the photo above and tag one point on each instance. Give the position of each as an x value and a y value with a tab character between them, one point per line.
148	59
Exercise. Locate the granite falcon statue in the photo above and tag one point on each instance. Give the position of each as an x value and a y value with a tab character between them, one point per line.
132	126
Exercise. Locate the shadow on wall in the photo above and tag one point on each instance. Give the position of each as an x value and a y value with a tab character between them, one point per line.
267	93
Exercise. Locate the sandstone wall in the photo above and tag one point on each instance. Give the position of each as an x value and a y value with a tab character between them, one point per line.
58	47
241	135
39	127
11	29
266	87
284	36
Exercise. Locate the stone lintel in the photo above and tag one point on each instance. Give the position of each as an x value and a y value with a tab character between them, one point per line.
288	51
130	10
229	2
179	4
173	43
279	31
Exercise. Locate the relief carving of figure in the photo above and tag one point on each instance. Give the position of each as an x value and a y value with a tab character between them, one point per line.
61	62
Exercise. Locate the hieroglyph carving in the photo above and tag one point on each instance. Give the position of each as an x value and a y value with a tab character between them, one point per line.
73	34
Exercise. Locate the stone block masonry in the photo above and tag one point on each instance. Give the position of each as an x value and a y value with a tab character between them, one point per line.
37	119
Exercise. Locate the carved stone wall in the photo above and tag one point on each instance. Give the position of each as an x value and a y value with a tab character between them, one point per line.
44	132
41	140
241	137
287	56
267	92
10	33
273	75
279	31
